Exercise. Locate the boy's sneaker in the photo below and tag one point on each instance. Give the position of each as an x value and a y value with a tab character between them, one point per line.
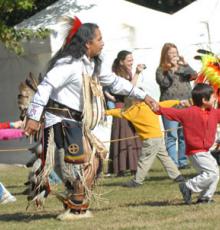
204	201
180	178
131	184
186	193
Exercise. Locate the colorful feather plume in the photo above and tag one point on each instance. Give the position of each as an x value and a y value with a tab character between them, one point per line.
210	71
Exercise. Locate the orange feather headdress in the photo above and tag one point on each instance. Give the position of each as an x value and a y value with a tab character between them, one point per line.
210	71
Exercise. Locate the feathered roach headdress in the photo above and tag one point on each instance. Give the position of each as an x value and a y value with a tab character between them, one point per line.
70	27
210	71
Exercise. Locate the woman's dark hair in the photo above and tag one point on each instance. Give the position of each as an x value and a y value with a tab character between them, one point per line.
201	91
77	46
118	68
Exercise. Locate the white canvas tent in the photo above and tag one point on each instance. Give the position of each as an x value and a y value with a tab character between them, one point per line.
124	26
118	29
196	26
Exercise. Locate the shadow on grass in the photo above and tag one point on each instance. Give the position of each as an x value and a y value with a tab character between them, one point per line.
27	217
189	174
116	183
154	203
15	186
162	179
100	209
19	193
164	203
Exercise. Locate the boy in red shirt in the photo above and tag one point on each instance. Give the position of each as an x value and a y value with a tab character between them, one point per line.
199	126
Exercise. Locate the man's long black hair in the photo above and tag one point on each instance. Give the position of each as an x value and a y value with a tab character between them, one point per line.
77	47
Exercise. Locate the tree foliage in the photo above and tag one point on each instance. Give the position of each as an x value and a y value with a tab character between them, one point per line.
13	12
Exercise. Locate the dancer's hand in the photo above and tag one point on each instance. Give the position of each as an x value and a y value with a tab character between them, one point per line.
185	103
31	127
151	103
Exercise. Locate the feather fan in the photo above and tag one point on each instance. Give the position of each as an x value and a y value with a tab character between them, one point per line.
26	91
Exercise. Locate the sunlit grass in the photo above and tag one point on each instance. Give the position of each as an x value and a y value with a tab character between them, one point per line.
155	205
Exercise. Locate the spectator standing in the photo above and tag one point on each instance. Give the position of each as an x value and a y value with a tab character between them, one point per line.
173	77
124	154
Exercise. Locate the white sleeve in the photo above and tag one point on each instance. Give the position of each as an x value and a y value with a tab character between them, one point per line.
124	87
39	100
55	78
59	75
119	85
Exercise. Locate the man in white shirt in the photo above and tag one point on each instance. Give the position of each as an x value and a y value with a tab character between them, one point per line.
62	87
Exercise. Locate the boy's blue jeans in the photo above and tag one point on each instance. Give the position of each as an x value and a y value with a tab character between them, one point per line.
174	139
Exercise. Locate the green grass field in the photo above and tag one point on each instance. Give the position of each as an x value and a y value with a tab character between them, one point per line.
155	205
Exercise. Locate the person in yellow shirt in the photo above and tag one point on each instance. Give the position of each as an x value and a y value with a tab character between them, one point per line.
147	126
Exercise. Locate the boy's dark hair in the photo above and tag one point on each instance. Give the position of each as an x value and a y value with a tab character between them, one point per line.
201	91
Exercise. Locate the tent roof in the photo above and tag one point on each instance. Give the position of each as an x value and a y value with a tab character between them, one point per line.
117	19
91	10
48	16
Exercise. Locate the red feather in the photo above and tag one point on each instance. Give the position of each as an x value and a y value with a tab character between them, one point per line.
75	26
